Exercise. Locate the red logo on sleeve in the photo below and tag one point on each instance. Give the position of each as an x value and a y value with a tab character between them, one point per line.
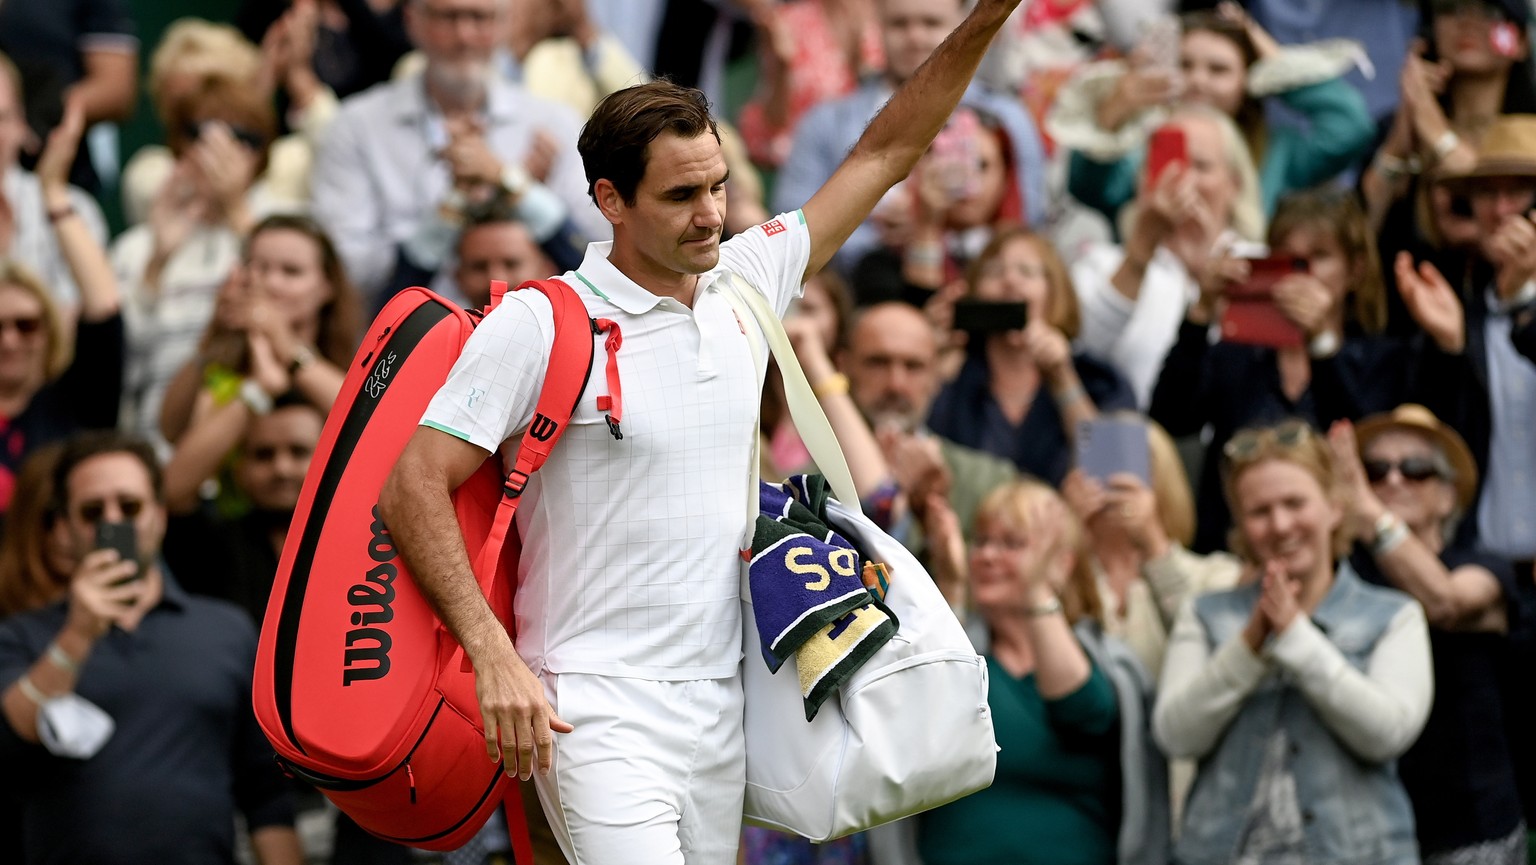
774	227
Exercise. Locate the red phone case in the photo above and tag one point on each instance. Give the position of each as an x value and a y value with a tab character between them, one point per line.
1166	146
1251	317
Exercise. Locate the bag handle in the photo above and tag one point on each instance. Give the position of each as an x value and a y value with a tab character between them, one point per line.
810	421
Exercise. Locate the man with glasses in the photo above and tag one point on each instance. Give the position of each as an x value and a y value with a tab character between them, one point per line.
129	735
401	162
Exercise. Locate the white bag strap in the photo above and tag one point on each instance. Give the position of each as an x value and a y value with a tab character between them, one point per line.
810	421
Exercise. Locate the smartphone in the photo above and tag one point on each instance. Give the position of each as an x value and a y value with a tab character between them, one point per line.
955	154
1159	43
1251	316
120	536
990	316
1111	445
1167	146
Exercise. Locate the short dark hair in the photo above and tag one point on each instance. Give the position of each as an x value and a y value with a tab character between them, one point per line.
615	142
497	209
88	445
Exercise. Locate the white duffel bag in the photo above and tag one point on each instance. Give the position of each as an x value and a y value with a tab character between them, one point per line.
910	730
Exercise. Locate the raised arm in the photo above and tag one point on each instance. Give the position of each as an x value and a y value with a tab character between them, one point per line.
87	260
900	133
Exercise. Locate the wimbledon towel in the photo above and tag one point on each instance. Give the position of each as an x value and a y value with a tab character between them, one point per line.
814	598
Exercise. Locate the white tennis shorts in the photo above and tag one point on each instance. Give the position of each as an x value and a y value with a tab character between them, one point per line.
654	772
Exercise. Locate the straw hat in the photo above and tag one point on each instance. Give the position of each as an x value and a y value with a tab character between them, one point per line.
1508	149
1420	420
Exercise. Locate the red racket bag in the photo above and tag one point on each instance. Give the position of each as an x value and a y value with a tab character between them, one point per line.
361	690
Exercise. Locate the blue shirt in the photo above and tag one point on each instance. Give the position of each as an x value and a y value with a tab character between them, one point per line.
186	752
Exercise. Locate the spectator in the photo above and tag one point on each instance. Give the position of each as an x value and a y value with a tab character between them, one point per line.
235	558
26	236
1474	67
172	264
817	321
82	55
962	192
182	750
1408	480
811	51
494	245
1298	690
816	329
1138	539
35	558
355	42
46	393
1022	393
892	360
1078	779
1041	47
1228	62
1384	27
1476	373
288	321
194	55
910	31
1133	295
459	131
1346	370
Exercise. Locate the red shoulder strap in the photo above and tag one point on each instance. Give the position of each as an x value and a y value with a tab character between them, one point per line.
570	364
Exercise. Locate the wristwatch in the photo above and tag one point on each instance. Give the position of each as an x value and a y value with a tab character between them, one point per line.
255	397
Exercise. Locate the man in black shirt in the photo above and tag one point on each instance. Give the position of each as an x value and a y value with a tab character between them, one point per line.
173	671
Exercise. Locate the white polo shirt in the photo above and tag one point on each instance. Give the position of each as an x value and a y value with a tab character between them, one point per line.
630	564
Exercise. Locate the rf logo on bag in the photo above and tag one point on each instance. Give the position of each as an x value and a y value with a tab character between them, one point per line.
380	377
542	428
367	655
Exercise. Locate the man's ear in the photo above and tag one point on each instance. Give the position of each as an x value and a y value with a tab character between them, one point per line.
609	201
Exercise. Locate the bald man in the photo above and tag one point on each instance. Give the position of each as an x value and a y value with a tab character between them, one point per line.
892	366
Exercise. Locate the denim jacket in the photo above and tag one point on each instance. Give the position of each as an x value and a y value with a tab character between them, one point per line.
1353	812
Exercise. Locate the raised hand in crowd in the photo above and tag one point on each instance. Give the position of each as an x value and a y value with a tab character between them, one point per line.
1275	608
100	297
288	54
1432	302
229	168
1512	251
102	595
1305	300
1171	212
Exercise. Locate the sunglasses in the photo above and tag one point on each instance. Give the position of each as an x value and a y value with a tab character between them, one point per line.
92	510
25	326
1246	444
1415	469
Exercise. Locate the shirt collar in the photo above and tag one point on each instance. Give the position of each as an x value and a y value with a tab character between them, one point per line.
609	283
171	592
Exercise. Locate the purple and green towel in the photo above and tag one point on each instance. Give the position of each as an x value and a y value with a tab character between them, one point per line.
814	596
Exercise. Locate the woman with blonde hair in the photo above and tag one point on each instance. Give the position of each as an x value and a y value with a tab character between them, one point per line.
1179	225
57	376
1297	690
1021	393
1078	780
1138	539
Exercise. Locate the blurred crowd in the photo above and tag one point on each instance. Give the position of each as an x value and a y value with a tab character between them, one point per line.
1196	360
